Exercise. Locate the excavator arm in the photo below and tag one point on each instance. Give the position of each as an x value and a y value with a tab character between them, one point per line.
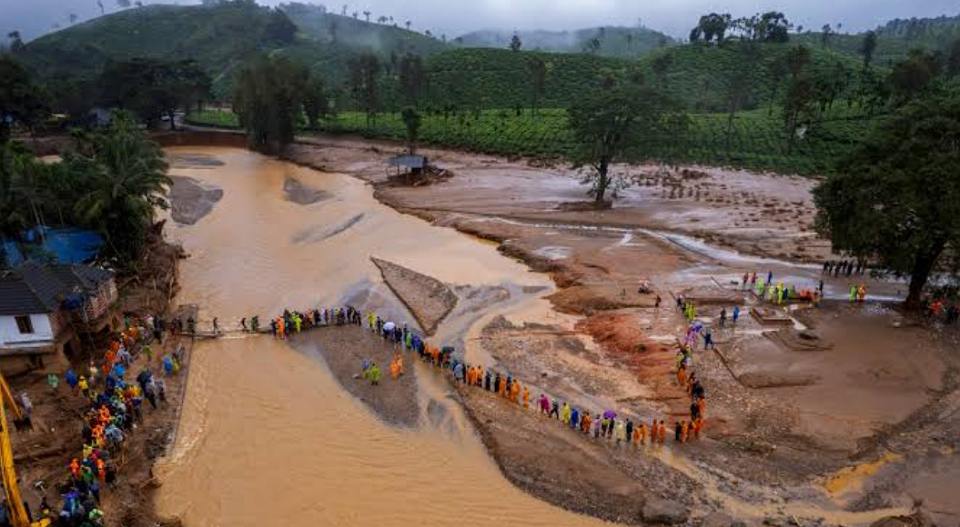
16	511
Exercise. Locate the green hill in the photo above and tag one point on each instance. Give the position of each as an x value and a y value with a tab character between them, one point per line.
500	78
696	73
608	41
895	39
351	33
218	37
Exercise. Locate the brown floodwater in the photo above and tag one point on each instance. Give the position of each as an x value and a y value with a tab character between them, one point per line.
267	436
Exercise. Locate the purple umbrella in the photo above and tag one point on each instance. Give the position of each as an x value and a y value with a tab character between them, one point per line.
609	414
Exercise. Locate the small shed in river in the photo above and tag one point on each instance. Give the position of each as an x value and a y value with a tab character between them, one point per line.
413	164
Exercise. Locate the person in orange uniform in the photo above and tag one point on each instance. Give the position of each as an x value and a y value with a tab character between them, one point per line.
515	391
526	398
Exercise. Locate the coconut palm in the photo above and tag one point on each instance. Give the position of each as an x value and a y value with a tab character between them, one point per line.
127	182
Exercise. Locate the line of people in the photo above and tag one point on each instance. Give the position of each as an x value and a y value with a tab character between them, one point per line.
511	389
844	267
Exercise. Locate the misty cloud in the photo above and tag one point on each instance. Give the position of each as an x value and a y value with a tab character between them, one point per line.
455	17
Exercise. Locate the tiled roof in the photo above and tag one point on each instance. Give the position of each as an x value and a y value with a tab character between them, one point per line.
35	288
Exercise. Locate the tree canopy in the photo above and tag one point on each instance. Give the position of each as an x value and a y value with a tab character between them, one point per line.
152	88
897	198
611	122
20	99
267	99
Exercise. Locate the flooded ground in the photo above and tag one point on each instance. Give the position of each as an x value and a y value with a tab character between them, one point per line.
268	437
585	329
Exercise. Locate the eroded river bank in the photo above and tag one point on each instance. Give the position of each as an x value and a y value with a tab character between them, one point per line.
269	437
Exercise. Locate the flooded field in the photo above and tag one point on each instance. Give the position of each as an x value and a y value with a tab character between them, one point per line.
267	436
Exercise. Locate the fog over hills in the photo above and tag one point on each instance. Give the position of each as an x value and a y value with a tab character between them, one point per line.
454	18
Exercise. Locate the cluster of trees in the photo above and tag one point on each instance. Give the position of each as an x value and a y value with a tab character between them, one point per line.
153	88
771	26
271	95
113	181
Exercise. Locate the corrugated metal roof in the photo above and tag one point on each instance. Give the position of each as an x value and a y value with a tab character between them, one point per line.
408	161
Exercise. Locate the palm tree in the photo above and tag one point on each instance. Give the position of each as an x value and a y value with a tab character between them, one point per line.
408	23
366	15
13	217
127	183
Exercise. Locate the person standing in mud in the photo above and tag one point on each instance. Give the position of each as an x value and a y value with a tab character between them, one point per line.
629	430
723	317
486	381
555	409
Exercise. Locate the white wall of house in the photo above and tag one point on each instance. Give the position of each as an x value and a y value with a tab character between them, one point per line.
43	331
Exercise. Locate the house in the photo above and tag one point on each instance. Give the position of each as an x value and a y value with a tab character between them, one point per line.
45	309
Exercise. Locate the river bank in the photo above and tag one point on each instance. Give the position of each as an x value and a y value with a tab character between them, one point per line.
783	435
763	446
43	453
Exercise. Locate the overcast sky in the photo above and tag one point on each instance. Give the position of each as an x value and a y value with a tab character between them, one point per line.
454	17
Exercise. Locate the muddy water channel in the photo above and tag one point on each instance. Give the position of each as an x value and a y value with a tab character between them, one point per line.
268	436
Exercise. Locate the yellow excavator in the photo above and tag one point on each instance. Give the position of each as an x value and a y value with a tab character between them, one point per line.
16	511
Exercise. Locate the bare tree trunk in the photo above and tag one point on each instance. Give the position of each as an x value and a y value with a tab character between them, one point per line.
603	180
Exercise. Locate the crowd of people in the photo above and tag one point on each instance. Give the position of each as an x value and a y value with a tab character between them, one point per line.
113	409
595	424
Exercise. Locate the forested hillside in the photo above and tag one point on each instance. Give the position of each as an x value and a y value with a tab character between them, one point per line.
608	41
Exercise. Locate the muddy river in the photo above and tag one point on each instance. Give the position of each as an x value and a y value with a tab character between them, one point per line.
267	435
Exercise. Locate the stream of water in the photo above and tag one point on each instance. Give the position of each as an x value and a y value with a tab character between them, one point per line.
267	436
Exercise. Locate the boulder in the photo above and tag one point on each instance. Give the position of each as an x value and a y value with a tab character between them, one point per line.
666	512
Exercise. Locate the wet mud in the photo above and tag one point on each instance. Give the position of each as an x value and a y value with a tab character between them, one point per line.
600	342
428	299
191	200
296	192
344	349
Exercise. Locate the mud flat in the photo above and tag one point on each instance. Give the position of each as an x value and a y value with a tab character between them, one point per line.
191	199
597	477
428	299
297	192
344	349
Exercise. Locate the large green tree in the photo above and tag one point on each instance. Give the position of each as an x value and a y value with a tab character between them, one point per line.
21	100
267	98
153	88
316	101
610	124
897	198
364	77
